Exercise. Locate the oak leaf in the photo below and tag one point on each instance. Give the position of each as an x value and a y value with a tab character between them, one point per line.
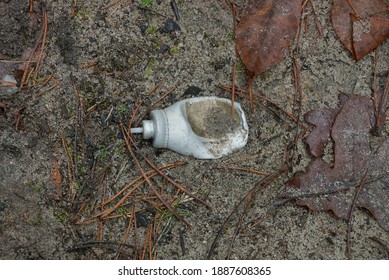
332	187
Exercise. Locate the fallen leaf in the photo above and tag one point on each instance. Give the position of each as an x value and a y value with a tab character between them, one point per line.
361	25
319	137
265	31
332	187
323	120
264	34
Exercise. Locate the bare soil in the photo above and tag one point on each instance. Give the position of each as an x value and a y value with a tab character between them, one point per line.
62	150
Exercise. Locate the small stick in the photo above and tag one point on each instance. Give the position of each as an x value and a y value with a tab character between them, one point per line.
141	101
44	28
170	180
129	140
138	179
125	237
259	172
353	8
242	91
174	6
317	21
30	2
114	10
15	61
111	4
149	108
120	203
7	84
234	13
350	215
304	4
136	255
375	93
47	90
151	256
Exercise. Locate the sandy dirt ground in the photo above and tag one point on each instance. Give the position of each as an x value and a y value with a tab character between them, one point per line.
62	150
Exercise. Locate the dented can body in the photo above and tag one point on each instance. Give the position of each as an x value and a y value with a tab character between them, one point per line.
202	127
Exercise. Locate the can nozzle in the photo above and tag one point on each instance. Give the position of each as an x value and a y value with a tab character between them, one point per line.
136	130
147	129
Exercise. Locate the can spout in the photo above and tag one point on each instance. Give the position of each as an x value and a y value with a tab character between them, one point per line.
136	130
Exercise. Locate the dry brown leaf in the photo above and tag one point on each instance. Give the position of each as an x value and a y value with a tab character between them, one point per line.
323	120
265	31
327	187
361	25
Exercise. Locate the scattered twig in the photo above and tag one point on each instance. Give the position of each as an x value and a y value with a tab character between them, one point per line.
140	103
128	140
382	106
317	21
350	216
234	12
375	92
353	8
174	6
41	40
250	195
170	180
43	43
291	116
30	3
47	90
125	237
149	108
259	172
150	173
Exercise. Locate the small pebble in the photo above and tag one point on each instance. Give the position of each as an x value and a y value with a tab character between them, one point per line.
163	49
143	27
193	91
169	26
